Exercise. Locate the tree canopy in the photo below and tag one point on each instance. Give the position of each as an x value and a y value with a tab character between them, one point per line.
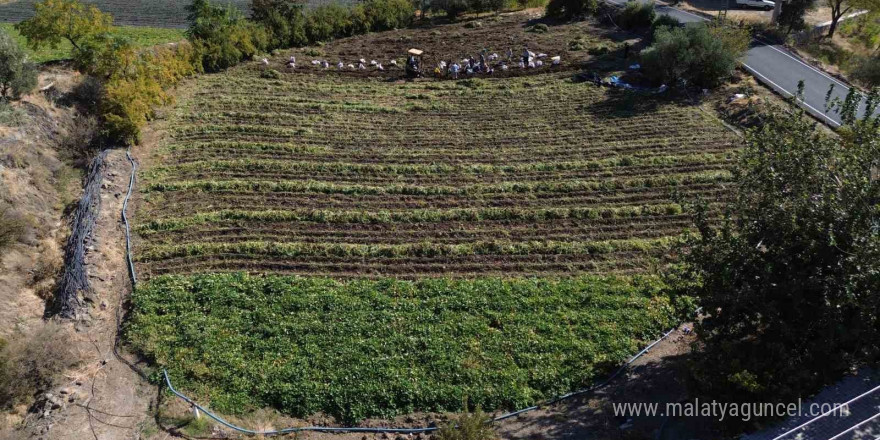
789	279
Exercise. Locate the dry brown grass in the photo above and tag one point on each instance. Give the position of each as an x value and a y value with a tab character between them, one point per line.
29	363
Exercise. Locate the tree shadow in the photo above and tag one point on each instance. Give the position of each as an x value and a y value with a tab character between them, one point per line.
593	415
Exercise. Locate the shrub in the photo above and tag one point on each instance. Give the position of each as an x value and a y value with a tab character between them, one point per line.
284	21
17	75
468	426
328	22
12	226
33	363
666	21
105	56
452	8
223	36
539	28
867	71
270	74
568	9
129	99
637	14
383	15
697	54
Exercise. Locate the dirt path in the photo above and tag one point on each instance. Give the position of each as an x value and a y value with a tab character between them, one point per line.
103	398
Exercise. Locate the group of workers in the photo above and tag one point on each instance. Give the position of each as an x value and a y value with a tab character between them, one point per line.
485	64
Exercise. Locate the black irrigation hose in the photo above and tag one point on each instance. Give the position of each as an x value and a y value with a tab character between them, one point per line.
74	279
331	429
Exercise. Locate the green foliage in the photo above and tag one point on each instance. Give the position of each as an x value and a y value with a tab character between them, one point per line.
697	54
637	14
569	9
131	94
18	75
328	22
270	74
105	56
139	36
55	21
793	13
223	36
284	21
384	15
454	8
307	345
789	279
664	21
867	71
468	426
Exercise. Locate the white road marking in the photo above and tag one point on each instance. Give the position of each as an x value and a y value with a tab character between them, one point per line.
782	89
770	45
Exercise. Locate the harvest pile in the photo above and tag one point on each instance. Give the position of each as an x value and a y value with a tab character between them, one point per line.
328	176
496	197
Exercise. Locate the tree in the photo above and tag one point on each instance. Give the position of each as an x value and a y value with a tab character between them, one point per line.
699	54
284	19
839	8
17	74
789	279
222	35
569	9
57	20
792	16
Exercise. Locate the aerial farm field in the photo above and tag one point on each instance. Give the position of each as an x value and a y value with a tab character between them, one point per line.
153	13
354	245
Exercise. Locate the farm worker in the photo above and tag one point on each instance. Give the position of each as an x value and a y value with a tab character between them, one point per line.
539	63
340	66
265	62
483	66
361	66
455	68
509	54
379	66
527	56
351	66
292	63
325	64
556	60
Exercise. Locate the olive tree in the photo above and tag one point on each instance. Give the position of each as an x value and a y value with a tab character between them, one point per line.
18	75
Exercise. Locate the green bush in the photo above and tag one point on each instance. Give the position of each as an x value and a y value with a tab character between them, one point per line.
866	70
569	9
384	15
223	36
270	74
637	14
454	8
17	74
696	53
328	22
666	21
284	21
468	426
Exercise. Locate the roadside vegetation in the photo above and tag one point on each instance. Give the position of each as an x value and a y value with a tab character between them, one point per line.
788	278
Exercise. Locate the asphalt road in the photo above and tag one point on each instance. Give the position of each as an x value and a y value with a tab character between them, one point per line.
776	67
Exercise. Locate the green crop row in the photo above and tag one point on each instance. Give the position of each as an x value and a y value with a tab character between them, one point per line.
469	190
408	216
380	348
410	250
432	169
